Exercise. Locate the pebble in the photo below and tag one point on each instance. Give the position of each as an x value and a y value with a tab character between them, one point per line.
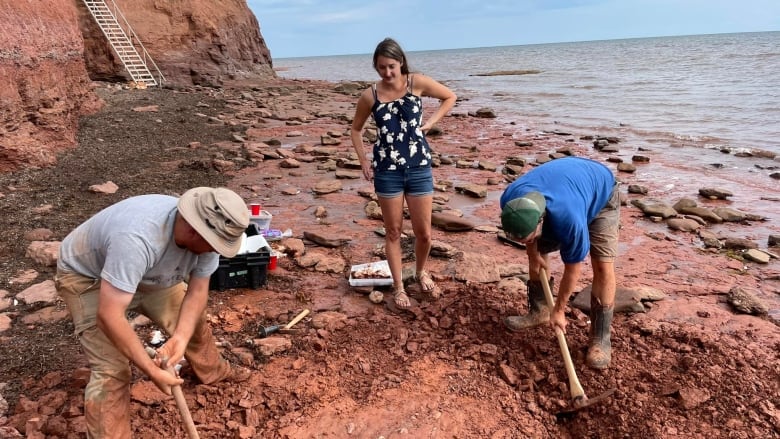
376	297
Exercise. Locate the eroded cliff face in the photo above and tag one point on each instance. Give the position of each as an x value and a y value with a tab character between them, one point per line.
45	87
50	49
202	42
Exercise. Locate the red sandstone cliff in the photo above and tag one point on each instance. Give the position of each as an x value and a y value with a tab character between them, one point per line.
49	50
45	87
192	41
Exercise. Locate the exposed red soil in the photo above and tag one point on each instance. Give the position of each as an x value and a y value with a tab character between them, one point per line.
690	367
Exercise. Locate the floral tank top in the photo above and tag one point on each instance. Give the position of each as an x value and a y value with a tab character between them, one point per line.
400	142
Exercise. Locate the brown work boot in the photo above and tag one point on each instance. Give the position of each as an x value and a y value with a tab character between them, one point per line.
237	374
538	311
600	346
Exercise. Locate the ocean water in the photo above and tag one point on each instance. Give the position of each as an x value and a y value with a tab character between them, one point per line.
712	92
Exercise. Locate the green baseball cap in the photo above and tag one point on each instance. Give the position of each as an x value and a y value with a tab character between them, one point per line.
521	215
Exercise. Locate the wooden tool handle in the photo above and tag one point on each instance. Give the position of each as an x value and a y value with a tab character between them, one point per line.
178	395
186	417
575	387
297	319
181	404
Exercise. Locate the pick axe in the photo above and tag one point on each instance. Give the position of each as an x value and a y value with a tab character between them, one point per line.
178	395
579	400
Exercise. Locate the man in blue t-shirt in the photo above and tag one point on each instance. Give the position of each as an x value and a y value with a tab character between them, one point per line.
570	205
153	254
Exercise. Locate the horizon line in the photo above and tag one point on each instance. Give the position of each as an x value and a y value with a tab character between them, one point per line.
532	44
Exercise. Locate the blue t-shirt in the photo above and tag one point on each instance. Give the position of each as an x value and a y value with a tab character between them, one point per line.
130	245
575	190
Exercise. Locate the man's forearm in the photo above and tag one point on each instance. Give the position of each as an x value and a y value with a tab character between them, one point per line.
535	260
193	306
125	340
571	275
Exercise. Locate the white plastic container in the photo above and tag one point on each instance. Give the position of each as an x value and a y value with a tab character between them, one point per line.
252	244
379	266
261	221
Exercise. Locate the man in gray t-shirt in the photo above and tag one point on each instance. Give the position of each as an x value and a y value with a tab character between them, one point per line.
153	254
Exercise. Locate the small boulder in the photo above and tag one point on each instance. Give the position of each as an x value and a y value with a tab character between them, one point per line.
702	212
655	208
756	255
730	215
472	190
327	186
108	187
450	223
683	224
43	292
715	193
745	301
485	113
739	244
626	167
45	253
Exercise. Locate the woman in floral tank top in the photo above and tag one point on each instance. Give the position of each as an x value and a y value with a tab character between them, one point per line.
401	161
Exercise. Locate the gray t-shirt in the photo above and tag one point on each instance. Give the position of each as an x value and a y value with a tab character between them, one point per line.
130	245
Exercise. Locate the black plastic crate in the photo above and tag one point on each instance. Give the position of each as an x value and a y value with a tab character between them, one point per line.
247	270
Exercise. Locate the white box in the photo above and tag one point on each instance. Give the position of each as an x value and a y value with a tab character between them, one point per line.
262	221
252	244
382	266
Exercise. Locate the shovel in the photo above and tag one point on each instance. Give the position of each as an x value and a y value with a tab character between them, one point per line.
579	400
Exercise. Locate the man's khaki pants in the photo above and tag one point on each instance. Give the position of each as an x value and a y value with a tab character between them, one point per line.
107	395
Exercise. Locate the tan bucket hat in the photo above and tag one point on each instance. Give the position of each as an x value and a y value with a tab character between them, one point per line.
219	215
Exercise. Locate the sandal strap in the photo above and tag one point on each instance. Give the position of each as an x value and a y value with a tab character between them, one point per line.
401	296
422	273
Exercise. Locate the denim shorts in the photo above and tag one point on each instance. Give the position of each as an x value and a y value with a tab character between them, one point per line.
409	181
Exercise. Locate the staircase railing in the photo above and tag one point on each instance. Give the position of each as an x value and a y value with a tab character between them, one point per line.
125	42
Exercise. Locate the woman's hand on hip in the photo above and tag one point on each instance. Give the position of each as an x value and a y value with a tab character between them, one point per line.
367	172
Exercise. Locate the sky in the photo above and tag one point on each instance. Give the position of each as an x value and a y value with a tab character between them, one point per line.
302	28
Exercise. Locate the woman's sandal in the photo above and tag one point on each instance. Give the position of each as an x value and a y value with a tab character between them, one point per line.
401	299
427	285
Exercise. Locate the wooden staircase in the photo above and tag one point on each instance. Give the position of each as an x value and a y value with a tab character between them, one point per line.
125	42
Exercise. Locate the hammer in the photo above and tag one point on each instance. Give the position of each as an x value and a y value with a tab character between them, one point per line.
265	331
